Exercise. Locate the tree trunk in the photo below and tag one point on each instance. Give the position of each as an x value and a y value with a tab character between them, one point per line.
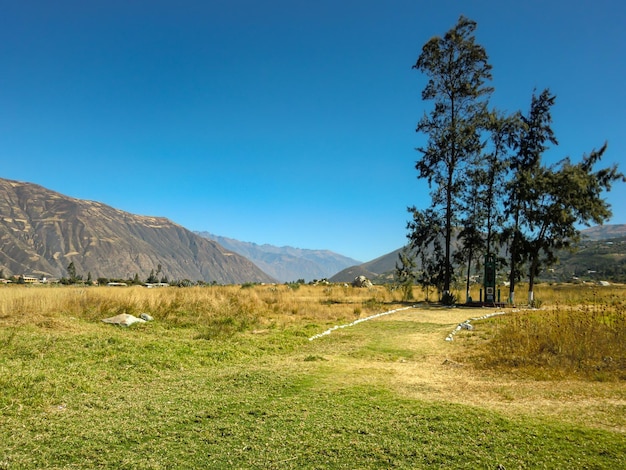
467	282
512	272
447	274
513	258
531	280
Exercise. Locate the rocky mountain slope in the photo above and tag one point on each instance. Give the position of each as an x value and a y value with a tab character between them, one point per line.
287	263
42	231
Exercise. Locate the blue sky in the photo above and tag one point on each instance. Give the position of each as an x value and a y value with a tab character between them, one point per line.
283	122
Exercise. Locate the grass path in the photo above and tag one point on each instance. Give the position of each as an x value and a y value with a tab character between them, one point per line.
417	363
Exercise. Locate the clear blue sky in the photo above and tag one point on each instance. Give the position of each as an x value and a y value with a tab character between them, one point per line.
286	122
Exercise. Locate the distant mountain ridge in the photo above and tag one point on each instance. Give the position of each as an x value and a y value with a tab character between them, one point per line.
604	232
42	231
381	269
287	263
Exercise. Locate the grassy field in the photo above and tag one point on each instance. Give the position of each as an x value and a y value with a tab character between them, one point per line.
226	377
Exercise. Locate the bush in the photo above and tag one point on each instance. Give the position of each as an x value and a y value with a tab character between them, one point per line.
448	298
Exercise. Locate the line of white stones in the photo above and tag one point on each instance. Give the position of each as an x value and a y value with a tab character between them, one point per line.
467	324
356	322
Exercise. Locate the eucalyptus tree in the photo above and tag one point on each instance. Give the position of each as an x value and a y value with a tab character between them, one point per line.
458	71
568	194
482	196
546	203
523	190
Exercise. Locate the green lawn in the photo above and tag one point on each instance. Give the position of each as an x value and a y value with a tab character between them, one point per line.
81	394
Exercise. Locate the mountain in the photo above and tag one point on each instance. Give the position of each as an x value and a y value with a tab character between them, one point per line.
42	231
287	263
380	269
596	258
604	232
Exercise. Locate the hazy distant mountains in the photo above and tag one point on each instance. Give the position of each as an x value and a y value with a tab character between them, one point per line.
42	231
287	263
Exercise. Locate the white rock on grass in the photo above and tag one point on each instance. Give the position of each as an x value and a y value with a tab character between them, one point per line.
123	319
467	324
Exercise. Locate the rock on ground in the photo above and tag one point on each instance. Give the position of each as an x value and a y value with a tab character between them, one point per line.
123	319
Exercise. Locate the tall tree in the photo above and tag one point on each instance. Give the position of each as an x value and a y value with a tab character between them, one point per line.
569	194
73	276
523	188
152	278
481	196
457	69
471	237
71	271
546	204
503	131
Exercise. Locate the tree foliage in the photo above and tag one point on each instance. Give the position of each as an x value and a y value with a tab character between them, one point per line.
425	244
405	273
570	195
152	278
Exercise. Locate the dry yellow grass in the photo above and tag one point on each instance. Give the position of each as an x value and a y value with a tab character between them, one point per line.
32	304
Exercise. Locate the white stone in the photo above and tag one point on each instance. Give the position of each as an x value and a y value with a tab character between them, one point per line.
123	319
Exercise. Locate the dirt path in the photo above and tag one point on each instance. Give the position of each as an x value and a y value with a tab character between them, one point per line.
439	370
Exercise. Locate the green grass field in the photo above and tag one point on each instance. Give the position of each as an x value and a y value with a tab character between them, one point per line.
386	393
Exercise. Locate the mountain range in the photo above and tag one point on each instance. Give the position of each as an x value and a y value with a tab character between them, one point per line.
42	232
596	257
604	232
287	263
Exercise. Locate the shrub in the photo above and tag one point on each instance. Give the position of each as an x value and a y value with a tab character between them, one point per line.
448	298
588	341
